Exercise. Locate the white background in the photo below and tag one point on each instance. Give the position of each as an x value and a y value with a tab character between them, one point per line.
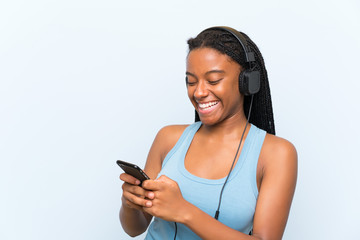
84	83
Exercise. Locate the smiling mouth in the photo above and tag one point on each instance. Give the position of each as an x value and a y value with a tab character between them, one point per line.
207	106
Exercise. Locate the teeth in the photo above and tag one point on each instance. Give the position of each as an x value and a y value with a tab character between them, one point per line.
206	105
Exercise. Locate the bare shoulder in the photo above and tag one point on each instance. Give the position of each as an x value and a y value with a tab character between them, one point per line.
277	149
164	141
278	156
172	131
168	136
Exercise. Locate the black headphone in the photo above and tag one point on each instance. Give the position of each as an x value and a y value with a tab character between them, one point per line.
249	79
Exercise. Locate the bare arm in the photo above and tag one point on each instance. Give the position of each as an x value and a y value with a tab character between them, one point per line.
133	220
277	188
132	217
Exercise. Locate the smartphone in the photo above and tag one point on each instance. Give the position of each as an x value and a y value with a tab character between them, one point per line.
133	170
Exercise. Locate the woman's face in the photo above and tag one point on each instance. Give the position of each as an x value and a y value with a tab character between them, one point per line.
212	84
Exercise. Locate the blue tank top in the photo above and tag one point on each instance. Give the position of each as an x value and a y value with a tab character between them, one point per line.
239	196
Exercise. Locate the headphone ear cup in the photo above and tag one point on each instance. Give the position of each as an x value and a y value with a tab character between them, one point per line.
249	82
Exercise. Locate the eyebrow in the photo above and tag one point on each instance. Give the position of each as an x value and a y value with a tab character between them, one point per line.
207	73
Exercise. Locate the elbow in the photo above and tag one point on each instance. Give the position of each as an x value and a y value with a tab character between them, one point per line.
133	226
133	234
133	231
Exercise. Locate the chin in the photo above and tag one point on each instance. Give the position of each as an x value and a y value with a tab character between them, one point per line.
208	121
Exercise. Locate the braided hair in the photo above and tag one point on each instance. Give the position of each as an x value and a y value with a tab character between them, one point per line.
226	43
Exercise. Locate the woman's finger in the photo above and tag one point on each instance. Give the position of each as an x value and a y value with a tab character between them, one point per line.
131	198
129	204
129	179
133	189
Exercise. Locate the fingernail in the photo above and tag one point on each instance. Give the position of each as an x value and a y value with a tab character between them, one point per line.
148	203
151	195
137	182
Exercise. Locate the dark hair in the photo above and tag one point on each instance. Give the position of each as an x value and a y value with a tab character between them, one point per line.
226	43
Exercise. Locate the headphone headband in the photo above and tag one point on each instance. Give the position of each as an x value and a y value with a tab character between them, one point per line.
249	56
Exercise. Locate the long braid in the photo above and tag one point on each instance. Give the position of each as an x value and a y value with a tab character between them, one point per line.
262	114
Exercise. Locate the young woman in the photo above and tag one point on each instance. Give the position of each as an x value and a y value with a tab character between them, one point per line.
226	176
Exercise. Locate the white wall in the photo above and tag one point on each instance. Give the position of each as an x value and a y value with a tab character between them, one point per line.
83	83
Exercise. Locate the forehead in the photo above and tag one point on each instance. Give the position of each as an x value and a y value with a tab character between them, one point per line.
209	58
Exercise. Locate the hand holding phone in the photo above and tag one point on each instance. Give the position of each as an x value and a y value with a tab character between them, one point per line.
133	170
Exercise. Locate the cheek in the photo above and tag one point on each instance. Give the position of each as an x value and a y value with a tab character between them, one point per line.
234	88
224	90
235	84
232	93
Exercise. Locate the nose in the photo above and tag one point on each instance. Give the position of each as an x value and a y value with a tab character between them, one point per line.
201	90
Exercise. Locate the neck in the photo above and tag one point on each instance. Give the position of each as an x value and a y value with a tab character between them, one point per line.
231	127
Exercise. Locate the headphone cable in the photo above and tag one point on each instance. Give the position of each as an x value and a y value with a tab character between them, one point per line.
233	163
175	230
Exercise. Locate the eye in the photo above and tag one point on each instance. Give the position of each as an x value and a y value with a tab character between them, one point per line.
214	82
189	83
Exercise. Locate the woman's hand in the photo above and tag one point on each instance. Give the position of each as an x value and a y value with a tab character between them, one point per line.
133	195
166	199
